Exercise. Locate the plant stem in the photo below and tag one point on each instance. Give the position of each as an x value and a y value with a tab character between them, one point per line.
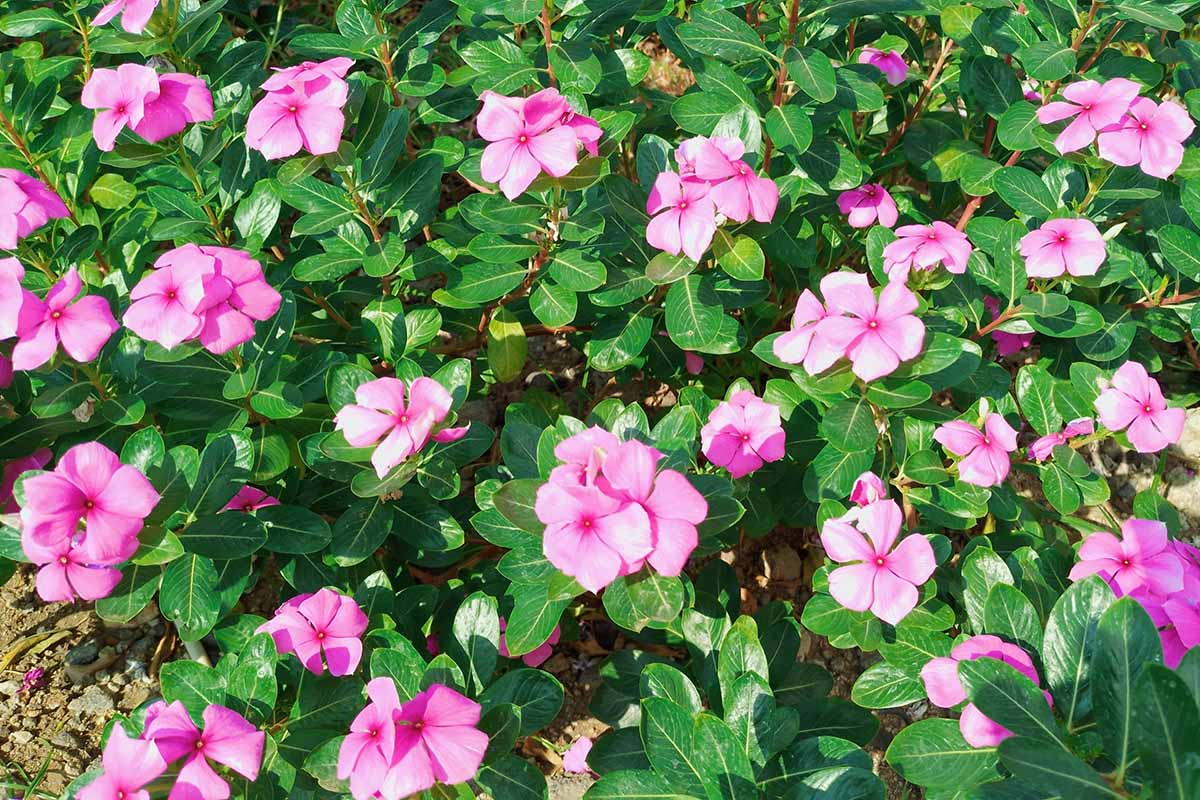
548	39
926	90
185	163
781	76
328	309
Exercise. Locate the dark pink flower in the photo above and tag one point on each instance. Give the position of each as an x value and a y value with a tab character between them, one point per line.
1043	447
250	499
326	623
82	326
26	204
301	110
1061	246
868	204
891	63
924	247
437	741
742	434
227	739
734	188
1007	343
129	764
802	343
169	304
136	97
66	572
538	655
878	333
134	14
367	752
868	488
683	217
1141	559
1091	107
528	136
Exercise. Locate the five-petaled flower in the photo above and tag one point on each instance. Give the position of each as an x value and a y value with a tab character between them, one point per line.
985	460
1133	402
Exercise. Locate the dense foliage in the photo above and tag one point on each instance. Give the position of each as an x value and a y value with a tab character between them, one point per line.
487	324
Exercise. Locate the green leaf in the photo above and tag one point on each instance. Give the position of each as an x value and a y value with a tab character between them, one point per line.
664	680
193	684
1069	644
112	191
740	257
1025	192
294	530
885	686
1166	731
476	638
1053	770
645	599
220	477
668	737
789	128
850	426
722	760
228	535
1126	641
1047	61
1010	699
1009	613
982	570
1180	246
512	778
634	785
933	753
1035	393
721	34
189	597
813	73
135	591
537	694
360	530
251	686
507	346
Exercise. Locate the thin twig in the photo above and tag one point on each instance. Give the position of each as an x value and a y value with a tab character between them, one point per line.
328	309
781	76
548	37
926	91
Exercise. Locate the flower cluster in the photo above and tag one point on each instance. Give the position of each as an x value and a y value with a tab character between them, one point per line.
382	413
213	294
742	434
301	110
26	204
878	577
151	105
945	690
170	736
712	180
529	136
396	749
325	623
89	485
923	247
1129	130
875	334
1161	574
609	510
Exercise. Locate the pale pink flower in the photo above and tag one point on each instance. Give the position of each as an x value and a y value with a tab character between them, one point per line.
437	741
891	63
227	739
1150	135
83	327
880	578
1043	447
301	110
89	483
168	305
1060	246
1142	558
683	216
985	460
1093	107
365	755
742	434
924	247
26	204
575	759
538	655
381	412
878	334
591	535
13	470
67	572
129	764
15	299
803	342
1007	343
153	106
868	488
1134	403
945	690
528	136
868	204
250	499
134	14
310	625
687	154
233	293
734	188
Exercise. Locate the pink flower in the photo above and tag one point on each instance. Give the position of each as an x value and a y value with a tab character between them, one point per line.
16	302
380	411
884	580
575	759
590	535
891	64
528	136
83	327
735	189
250	499
1006	343
169	304
129	764
90	484
693	362
6	371
945	690
154	106
586	130
868	488
868	204
1043	447
432	646
985	453
923	247
629	472
66	572
227	738
687	155
878	334
365	755
1063	245
1141	559
301	110
538	655
13	470
1094	106
1150	135
437	741
1134	403
26	204
742	434
683	216
232	289
134	14
310	625
803	343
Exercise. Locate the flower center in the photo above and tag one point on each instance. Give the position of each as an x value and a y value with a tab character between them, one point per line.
199	744
374	733
1149	409
1062	238
871	192
1144	126
879	561
1088	107
120	794
873	324
419	725
404	417
987	440
248	507
320	634
1124	562
587	523
522	138
63	560
120	109
171	295
291	109
931	236
745	437
89	504
741	170
55	314
683	204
